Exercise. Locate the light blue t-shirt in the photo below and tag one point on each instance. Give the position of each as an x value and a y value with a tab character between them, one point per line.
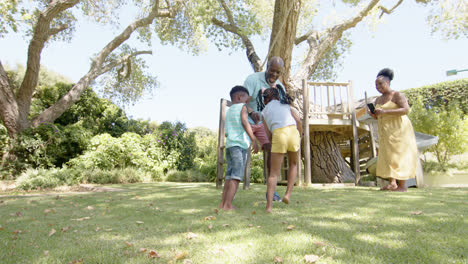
235	132
277	115
254	83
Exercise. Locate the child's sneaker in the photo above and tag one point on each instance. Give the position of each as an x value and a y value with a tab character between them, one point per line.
276	197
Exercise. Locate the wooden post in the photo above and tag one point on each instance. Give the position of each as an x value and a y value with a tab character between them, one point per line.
307	165
246	184
220	159
355	141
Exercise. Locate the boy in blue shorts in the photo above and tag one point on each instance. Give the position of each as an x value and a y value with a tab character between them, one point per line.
239	136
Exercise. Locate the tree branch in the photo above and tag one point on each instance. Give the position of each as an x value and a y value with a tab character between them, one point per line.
40	35
318	47
56	30
252	56
122	60
304	37
388	12
57	109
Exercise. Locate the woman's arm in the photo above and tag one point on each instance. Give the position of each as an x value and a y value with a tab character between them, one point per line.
400	100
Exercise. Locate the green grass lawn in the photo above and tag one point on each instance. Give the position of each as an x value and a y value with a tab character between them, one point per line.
180	222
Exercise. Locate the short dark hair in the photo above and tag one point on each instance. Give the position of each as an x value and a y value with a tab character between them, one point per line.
238	89
387	73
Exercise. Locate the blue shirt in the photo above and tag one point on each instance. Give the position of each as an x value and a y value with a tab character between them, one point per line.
254	83
235	132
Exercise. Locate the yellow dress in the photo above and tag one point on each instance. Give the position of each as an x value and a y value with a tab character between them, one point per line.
398	153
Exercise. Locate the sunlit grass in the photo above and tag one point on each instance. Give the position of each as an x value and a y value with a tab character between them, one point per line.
340	225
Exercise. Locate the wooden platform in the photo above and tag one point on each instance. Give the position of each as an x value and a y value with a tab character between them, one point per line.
340	126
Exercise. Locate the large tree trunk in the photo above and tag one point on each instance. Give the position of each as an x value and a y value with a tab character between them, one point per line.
283	34
8	106
327	163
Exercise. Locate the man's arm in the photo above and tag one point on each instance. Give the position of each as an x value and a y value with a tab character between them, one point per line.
248	129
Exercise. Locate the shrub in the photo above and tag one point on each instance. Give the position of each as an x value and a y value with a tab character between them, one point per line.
447	123
186	176
51	178
114	176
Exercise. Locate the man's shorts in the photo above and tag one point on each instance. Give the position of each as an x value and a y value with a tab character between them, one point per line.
260	133
236	157
285	139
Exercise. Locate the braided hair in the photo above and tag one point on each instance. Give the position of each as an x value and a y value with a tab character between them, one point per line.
277	93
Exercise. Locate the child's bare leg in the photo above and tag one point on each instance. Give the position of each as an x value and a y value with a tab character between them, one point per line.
275	170
233	184
223	196
292	173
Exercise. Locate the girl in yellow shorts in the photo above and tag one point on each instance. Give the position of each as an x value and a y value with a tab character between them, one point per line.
283	128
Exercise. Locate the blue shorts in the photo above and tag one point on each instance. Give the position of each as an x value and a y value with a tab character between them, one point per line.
236	158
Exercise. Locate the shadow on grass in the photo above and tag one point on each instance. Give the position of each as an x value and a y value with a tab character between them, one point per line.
352	225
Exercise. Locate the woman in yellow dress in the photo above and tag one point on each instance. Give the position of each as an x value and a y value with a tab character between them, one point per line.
398	154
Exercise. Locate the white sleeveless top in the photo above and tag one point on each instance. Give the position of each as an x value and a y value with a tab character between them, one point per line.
277	115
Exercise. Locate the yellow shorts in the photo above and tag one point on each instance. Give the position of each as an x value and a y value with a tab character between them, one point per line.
285	139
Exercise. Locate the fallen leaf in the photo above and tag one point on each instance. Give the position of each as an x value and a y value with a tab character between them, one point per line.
283	223
216	211
291	227
254	212
65	229
19	214
250	225
128	244
416	212
417	230
311	258
209	218
153	254
1	227
52	231
108	229
188	261
142	250
210	227
97	229
107	201
90	207
46	253
76	261
191	235
278	259
140	222
319	244
225	225
181	255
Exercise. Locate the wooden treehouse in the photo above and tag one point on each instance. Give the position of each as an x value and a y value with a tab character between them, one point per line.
331	121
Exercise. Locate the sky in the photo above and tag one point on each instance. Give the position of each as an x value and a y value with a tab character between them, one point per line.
191	86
